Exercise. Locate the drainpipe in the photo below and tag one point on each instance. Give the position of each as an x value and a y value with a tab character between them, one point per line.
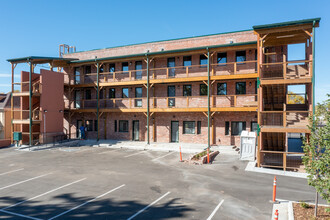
313	78
208	97
30	104
97	98
148	102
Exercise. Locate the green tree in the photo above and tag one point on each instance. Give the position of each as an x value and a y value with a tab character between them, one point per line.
317	151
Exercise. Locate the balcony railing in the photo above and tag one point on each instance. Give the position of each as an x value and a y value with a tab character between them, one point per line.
230	68
247	100
290	119
23	87
286	70
281	159
24	114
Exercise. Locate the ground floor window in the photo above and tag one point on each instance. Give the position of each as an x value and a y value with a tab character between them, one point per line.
237	127
227	128
89	125
199	127
123	126
254	126
188	127
95	125
115	125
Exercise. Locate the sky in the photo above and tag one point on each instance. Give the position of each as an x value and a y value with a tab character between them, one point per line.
38	27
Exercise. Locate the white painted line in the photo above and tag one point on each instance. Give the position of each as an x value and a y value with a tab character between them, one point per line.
109	151
215	210
20	215
11	171
142	210
5	187
136	153
63	213
163	156
53	190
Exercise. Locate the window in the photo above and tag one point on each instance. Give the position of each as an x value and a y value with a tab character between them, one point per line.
88	69
124	67
270	55
227	128
112	67
123	126
95	125
138	94
115	124
203	60
102	95
222	89
101	69
254	126
88	94
171	93
77	99
240	56
222	58
187	61
199	127
240	88
138	66
89	125
125	93
202	89
237	127
188	127
76	75
171	63
186	90
112	93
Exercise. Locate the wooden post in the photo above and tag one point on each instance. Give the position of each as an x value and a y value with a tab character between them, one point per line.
154	128
166	73
130	75
284	66
187	101
284	118
114	76
235	100
284	161
212	124
235	68
105	125
187	71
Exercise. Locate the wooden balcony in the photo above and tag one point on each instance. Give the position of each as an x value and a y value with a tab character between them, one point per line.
24	89
22	116
230	70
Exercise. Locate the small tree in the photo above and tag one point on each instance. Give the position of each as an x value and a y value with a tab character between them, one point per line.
317	151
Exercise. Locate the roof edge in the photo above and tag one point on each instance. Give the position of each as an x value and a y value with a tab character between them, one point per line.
288	23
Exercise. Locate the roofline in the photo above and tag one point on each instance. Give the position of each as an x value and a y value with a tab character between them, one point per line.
27	59
165	52
288	23
158	41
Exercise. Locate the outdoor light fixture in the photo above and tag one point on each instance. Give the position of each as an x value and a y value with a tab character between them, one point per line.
250	83
60	111
45	111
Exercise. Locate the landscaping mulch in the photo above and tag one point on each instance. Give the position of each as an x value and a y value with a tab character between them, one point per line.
301	213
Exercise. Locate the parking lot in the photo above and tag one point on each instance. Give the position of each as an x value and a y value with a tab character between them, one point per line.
103	183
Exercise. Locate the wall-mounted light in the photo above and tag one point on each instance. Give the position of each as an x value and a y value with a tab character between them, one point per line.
45	111
60	111
250	83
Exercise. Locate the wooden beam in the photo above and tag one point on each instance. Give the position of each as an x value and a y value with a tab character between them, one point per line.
205	114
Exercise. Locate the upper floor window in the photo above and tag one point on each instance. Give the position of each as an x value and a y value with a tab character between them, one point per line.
171	64
102	94
186	90
222	89
101	69
240	88
203	60
76	75
124	67
138	92
112	67
202	89
222	58
240	56
88	69
88	94
187	61
125	93
112	93
138	67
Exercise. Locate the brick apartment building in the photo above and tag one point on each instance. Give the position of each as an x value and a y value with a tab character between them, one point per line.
204	89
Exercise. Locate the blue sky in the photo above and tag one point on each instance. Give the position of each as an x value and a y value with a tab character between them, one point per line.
38	27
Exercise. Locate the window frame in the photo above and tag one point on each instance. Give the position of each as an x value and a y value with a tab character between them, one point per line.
237	56
112	91
193	127
218	85
122	67
77	74
185	92
254	122
120	128
233	130
112	65
219	63
122	93
183	61
236	88
200	89
200	61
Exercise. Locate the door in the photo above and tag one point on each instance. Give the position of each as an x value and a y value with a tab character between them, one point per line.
79	124
174	131
171	93
136	131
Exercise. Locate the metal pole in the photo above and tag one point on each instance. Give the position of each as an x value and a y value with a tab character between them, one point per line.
313	78
30	103
98	97
148	102
208	98
12	102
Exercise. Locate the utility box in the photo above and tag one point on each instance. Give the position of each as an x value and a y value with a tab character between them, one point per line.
17	136
248	146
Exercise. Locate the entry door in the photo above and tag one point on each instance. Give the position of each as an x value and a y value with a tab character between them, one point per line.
174	131
79	123
136	131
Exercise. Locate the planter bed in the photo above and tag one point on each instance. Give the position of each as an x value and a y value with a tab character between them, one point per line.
301	213
201	158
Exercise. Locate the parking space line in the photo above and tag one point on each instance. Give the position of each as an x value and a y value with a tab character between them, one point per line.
20	215
145	208
53	190
215	210
109	151
136	153
14	184
63	213
163	156
11	171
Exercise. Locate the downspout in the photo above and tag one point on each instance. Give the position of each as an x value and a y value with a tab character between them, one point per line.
30	104
208	97
148	102
97	98
313	78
